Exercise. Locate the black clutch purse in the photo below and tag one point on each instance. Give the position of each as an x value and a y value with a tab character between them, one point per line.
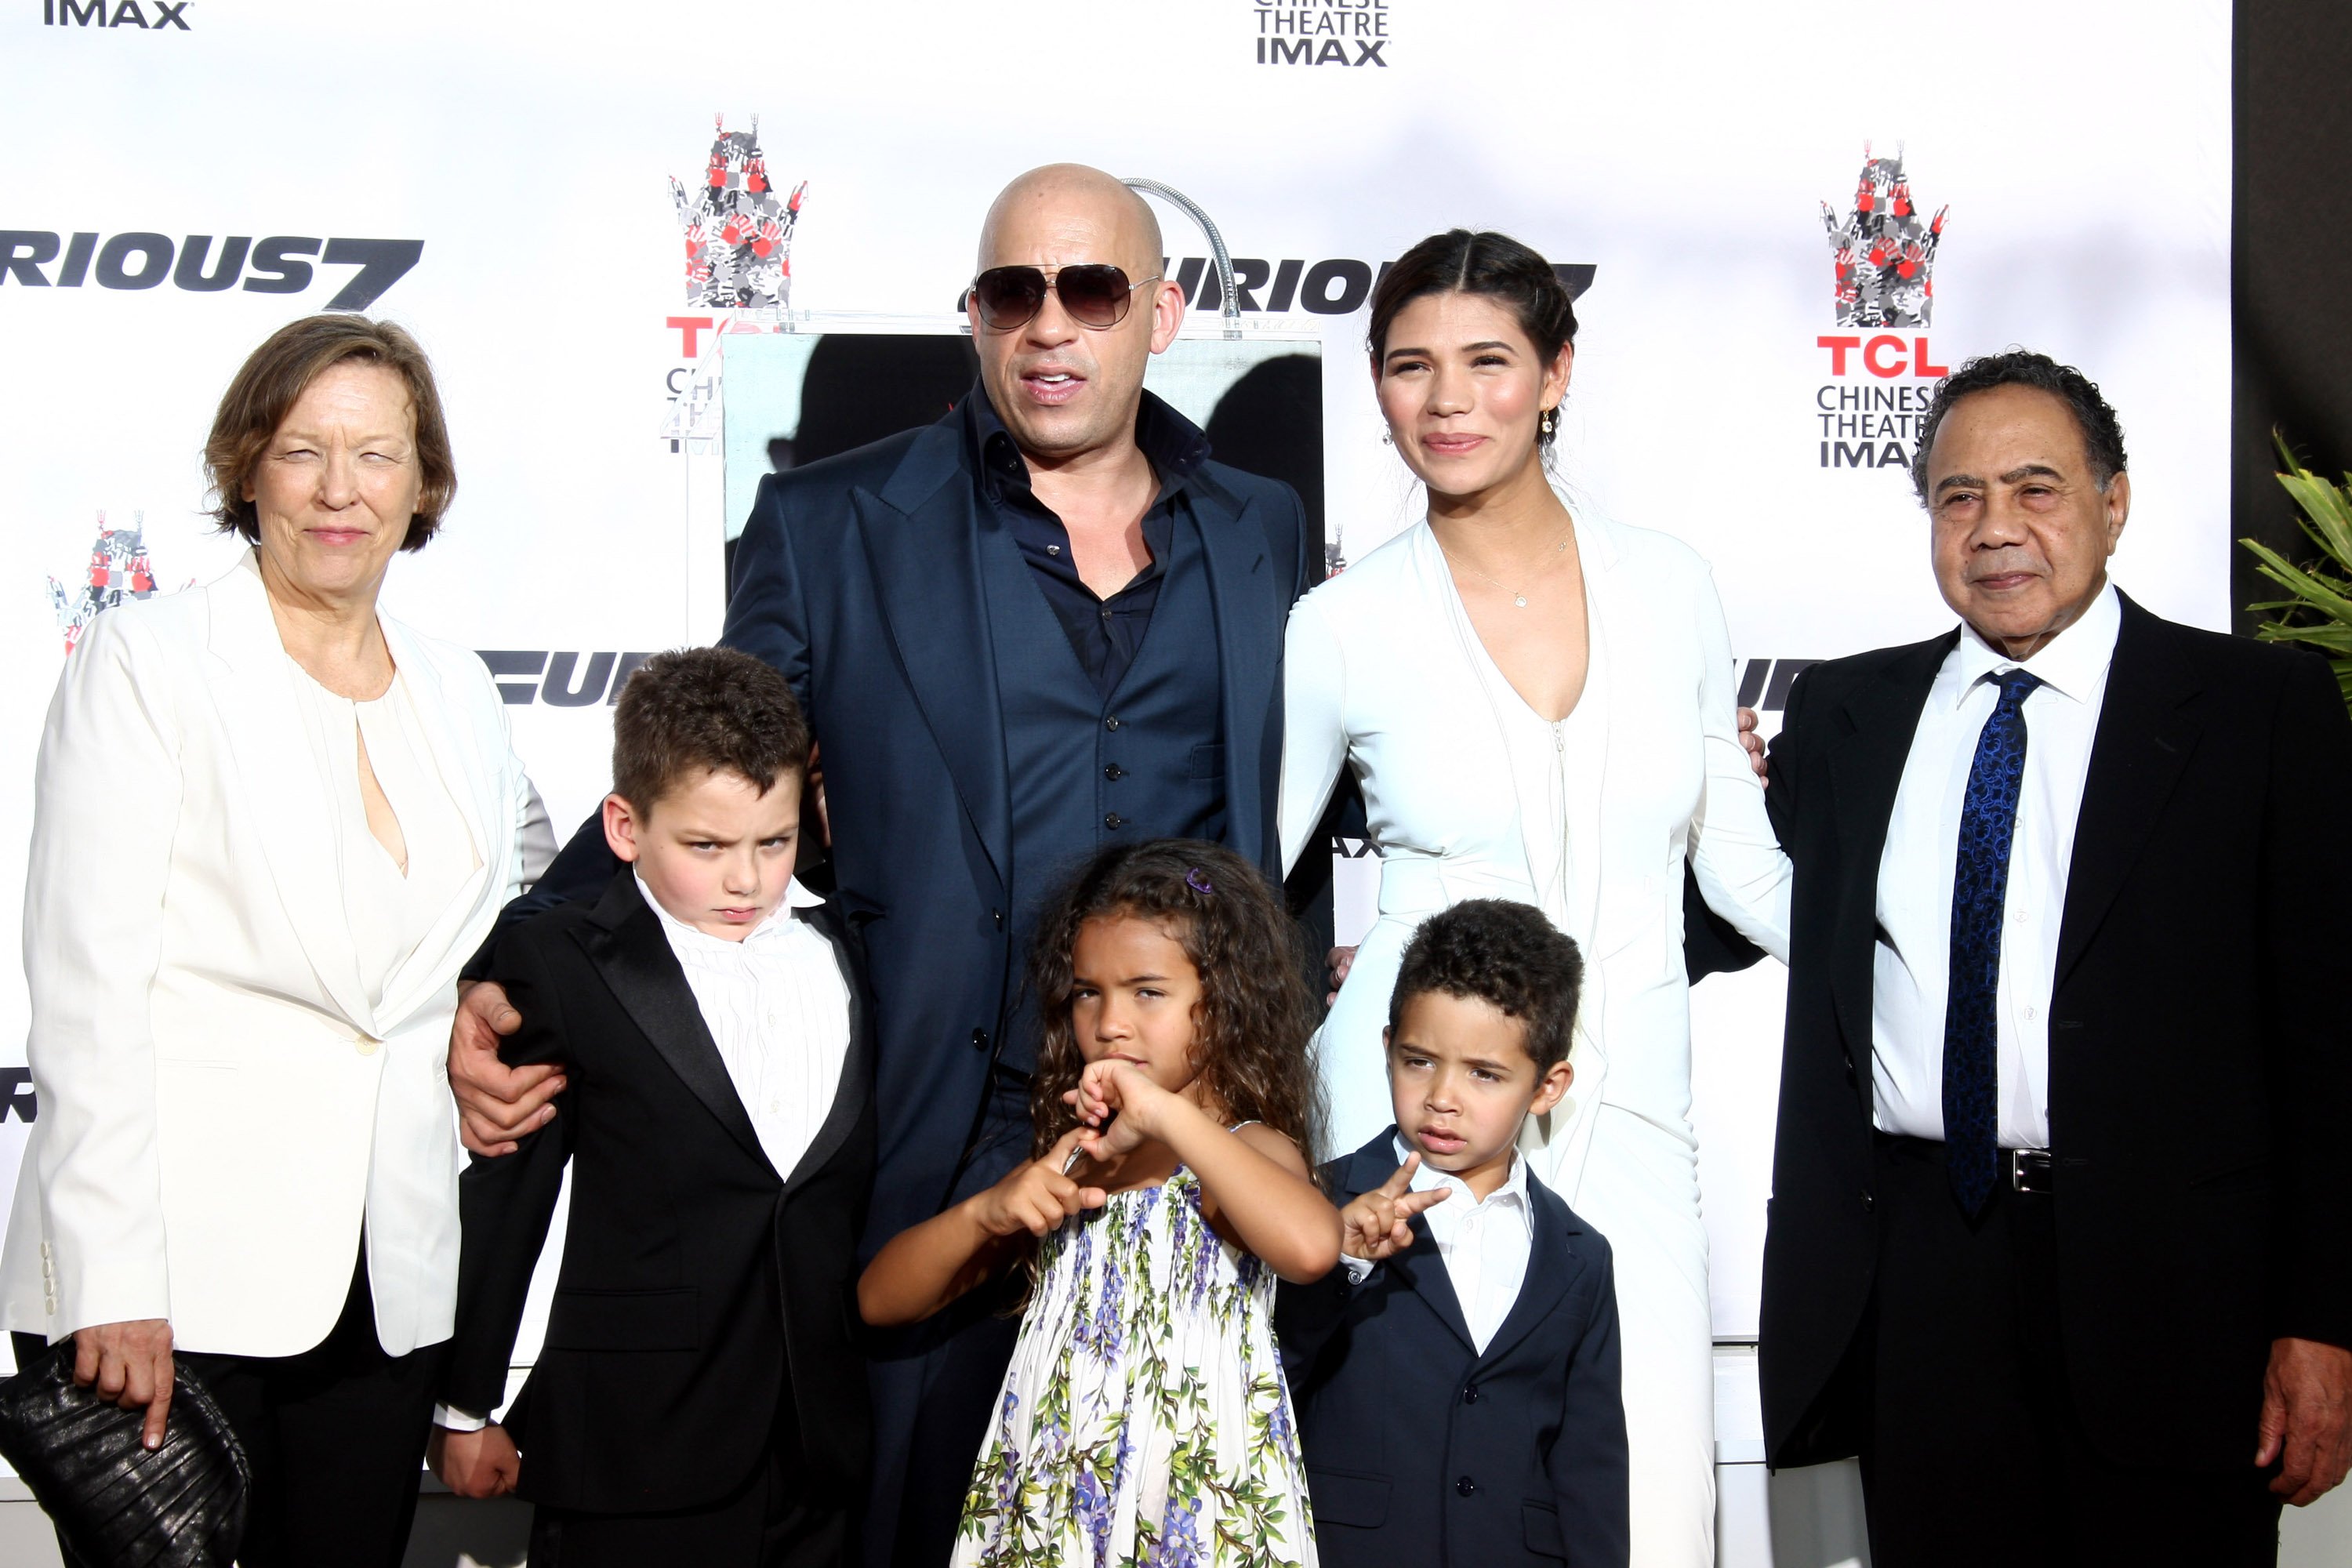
115	1504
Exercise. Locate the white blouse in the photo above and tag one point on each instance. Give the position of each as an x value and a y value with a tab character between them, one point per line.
390	909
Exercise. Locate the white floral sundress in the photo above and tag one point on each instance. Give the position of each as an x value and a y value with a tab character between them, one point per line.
1144	1422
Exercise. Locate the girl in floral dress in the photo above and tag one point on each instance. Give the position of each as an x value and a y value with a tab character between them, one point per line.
1144	1421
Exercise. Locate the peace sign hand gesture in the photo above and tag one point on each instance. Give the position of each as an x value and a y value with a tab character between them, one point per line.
1378	1225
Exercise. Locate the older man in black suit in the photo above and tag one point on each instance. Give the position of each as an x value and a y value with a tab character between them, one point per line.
2061	1233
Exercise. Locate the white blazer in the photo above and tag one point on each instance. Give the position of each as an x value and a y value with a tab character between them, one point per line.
220	1103
1382	673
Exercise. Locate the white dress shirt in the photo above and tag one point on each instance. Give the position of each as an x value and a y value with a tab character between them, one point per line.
1911	971
1485	1244
778	1009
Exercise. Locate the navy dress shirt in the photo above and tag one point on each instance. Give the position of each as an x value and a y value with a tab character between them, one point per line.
1106	631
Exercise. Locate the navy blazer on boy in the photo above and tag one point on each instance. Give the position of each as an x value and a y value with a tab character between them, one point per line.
705	1299
1420	1449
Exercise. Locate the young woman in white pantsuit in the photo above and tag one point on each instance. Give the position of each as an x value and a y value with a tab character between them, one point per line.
1539	707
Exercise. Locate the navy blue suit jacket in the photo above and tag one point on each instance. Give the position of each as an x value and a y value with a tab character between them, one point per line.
1422	1450
859	578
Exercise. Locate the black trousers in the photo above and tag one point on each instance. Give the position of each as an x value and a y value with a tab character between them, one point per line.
1975	1454
935	1386
335	1435
769	1521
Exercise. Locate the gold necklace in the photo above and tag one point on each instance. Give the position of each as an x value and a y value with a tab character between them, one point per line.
1520	594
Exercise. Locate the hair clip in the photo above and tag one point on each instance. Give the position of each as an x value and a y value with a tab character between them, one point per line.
1198	883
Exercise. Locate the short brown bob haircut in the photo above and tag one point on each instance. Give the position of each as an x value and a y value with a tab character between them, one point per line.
705	710
274	378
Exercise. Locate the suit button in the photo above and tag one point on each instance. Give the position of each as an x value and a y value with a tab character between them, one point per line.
367	1044
998	916
979	1040
1470	1395
1114	772
1113	819
1465	1486
1866	1203
1110	723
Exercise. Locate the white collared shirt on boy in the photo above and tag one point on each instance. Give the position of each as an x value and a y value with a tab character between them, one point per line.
778	1010
1485	1244
776	1007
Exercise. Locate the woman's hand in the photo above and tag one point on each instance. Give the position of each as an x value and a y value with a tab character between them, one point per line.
1378	1224
1036	1197
475	1464
130	1363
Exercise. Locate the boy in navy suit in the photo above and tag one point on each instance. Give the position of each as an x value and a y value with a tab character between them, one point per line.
1456	1375
698	1397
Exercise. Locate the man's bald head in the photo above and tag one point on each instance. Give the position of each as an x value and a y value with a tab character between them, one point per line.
1071	202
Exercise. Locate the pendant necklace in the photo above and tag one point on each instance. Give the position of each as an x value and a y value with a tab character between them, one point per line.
1520	594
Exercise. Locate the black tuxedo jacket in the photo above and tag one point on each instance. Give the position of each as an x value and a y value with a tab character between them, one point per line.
1421	1449
2201	1061
698	1285
859	578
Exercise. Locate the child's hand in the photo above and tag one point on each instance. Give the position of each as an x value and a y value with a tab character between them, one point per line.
481	1464
1036	1197
1121	1094
1378	1225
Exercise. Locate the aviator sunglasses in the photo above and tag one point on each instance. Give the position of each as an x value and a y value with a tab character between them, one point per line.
1094	293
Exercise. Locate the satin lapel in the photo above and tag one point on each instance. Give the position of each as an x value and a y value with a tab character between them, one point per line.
282	770
1552	1267
849	1097
922	539
1249	606
470	772
1865	771
625	943
2144	740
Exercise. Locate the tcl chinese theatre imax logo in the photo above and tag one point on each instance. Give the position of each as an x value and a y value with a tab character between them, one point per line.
1882	372
1320	32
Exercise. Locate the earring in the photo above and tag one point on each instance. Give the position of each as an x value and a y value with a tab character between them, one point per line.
1544	426
1387	439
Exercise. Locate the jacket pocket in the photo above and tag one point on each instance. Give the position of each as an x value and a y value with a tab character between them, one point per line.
625	1320
1209	761
1340	1498
1543	1530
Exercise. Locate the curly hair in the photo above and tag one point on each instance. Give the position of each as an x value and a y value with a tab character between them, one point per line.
1255	1013
1501	952
2103	433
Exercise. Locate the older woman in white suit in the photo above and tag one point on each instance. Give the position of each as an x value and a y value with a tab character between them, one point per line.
270	824
1538	706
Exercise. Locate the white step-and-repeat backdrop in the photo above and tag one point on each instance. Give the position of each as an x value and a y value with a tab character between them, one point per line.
1794	215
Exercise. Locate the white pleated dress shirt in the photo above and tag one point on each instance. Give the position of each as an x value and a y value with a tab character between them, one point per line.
1485	1245
778	1009
1911	971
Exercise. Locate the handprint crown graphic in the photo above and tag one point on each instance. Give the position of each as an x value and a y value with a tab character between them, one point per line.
737	230
1885	255
119	570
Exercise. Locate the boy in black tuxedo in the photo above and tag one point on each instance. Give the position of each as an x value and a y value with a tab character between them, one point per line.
1456	1375
698	1399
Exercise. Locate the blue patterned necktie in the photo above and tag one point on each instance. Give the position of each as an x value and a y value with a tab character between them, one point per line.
1979	893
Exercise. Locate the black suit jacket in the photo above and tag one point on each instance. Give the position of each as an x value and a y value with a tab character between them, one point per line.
1421	1449
698	1284
2200	1064
859	578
